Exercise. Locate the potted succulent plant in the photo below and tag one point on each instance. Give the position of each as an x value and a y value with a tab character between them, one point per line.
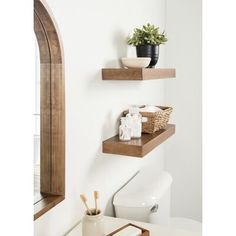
147	40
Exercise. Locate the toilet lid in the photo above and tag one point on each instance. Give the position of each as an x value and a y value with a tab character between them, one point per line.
186	224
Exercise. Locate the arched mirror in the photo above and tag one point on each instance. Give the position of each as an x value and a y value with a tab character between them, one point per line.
49	116
36	117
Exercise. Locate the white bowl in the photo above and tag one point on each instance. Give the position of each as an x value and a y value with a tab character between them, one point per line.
136	62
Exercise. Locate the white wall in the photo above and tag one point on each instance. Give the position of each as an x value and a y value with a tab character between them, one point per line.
94	35
183	152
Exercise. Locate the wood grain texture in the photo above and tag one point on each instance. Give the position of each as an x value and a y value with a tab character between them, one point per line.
50	31
52	104
57	131
137	74
138	147
145	232
46	204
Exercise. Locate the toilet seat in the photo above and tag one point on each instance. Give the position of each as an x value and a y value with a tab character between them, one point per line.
186	224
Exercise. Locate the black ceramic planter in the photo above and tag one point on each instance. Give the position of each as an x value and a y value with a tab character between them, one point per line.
149	51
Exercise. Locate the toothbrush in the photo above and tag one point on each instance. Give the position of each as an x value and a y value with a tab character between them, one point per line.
84	200
96	196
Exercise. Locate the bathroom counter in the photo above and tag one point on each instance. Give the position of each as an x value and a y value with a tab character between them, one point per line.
112	224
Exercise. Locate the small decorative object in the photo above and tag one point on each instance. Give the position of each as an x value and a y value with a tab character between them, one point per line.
138	62
124	130
147	41
93	220
128	229
135	121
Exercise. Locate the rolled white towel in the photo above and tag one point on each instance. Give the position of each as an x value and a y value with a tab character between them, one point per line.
149	108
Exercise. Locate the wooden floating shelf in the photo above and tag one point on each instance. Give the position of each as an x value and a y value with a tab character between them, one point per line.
137	74
137	147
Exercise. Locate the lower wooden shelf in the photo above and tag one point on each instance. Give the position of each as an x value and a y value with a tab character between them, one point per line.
137	147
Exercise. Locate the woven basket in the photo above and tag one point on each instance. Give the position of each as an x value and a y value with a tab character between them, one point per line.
155	120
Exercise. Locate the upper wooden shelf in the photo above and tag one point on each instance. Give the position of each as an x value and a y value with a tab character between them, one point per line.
137	74
137	147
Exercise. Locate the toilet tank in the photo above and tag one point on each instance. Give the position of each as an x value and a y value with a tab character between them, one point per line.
146	198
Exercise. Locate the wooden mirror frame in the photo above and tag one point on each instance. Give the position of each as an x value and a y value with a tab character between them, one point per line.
52	110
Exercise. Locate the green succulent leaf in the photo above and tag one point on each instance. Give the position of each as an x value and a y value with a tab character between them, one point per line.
148	34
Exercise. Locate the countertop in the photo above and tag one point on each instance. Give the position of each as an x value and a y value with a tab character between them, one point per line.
112	224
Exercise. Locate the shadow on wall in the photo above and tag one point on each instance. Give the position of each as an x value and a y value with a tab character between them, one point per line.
108	127
120	44
108	168
111	212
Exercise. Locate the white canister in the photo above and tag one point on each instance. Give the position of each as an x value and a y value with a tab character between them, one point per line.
93	225
136	121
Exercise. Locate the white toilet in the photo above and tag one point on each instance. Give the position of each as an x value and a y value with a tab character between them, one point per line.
146	198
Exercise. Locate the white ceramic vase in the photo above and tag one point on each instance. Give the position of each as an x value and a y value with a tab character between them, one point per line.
93	225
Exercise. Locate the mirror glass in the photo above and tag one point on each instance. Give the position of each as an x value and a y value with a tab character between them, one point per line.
36	117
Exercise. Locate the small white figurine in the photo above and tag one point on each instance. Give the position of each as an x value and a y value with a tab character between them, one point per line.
124	130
